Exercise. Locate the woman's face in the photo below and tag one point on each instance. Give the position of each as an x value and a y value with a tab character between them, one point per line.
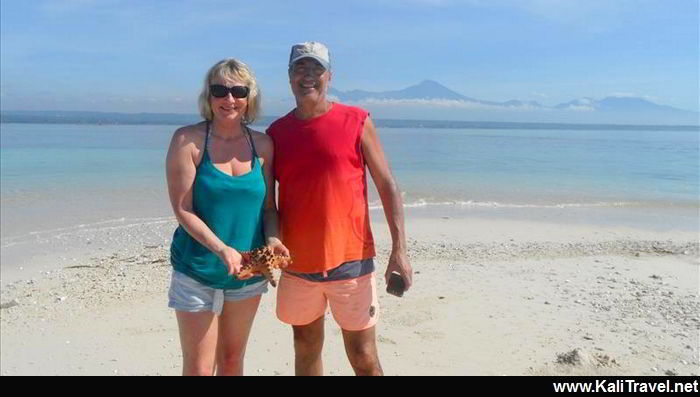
228	108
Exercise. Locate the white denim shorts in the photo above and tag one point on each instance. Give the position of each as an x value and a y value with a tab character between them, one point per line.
189	295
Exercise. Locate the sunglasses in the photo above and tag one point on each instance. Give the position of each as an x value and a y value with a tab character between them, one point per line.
221	91
316	69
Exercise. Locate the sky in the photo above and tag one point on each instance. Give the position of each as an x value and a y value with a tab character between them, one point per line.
151	56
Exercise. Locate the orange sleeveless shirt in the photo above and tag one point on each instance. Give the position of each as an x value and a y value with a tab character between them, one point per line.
324	217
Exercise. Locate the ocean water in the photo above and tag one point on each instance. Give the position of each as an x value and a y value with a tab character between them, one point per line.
545	167
56	179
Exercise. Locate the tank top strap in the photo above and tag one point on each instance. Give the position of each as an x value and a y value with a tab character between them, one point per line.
205	154
251	142
206	137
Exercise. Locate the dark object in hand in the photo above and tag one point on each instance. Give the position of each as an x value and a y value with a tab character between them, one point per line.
396	285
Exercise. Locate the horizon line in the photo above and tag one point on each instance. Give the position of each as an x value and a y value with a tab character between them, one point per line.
466	123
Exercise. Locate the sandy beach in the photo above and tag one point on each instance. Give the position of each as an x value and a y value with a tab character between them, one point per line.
490	297
546	155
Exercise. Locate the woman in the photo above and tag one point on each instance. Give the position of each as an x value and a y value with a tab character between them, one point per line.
218	173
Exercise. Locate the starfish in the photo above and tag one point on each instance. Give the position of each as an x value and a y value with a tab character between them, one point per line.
262	261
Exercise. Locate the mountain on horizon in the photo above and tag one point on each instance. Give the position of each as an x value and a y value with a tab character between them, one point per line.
611	106
615	103
427	89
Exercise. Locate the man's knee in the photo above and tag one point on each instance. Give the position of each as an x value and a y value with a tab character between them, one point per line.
363	355
361	348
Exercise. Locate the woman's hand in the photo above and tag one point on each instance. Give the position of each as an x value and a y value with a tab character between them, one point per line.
233	260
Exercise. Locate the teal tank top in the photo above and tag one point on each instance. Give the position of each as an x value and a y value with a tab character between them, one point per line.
232	207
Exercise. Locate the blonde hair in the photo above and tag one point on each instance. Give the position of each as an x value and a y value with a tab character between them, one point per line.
231	69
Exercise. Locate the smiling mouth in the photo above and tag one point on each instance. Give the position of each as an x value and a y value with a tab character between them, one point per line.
309	85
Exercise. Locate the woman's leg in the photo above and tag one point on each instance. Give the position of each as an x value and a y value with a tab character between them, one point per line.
198	335
234	328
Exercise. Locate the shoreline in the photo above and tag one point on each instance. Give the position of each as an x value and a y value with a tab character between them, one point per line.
491	297
48	250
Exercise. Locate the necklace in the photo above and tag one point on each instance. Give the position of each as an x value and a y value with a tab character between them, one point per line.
211	132
223	138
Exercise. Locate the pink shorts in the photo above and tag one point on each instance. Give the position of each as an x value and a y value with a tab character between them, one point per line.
353	302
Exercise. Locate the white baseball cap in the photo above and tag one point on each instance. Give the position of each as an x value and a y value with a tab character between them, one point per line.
311	49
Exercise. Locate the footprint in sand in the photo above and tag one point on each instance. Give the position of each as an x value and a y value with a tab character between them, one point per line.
430	334
386	340
413	319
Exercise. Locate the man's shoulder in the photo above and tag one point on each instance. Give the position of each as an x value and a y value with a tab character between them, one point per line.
354	110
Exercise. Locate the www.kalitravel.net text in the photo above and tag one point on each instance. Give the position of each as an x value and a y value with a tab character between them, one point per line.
628	385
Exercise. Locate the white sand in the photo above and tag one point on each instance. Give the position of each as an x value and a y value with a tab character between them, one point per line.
490	297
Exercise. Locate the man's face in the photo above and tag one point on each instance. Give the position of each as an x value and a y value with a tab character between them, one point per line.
309	80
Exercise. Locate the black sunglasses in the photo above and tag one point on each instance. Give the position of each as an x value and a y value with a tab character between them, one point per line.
221	91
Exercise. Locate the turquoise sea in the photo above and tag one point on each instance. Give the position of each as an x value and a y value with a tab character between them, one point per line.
55	178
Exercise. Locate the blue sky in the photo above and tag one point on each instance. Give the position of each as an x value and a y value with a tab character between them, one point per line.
151	56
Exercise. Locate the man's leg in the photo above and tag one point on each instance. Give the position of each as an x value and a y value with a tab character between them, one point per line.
355	307
308	344
301	301
361	347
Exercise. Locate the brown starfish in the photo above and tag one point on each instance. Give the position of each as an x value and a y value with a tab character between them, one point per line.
262	261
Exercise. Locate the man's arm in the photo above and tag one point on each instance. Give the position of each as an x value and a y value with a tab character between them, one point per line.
391	201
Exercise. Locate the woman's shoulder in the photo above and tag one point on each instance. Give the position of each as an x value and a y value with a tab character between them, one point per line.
260	137
263	142
193	133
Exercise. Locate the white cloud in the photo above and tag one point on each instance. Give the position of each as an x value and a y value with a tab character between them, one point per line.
624	95
633	95
580	108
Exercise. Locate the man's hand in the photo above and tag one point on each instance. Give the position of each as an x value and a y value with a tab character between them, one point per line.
279	249
398	262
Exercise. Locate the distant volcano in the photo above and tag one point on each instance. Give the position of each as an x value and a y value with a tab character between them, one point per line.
609	109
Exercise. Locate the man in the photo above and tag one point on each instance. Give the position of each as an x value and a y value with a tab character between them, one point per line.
321	149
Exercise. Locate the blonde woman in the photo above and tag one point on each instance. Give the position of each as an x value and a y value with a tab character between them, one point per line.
219	175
